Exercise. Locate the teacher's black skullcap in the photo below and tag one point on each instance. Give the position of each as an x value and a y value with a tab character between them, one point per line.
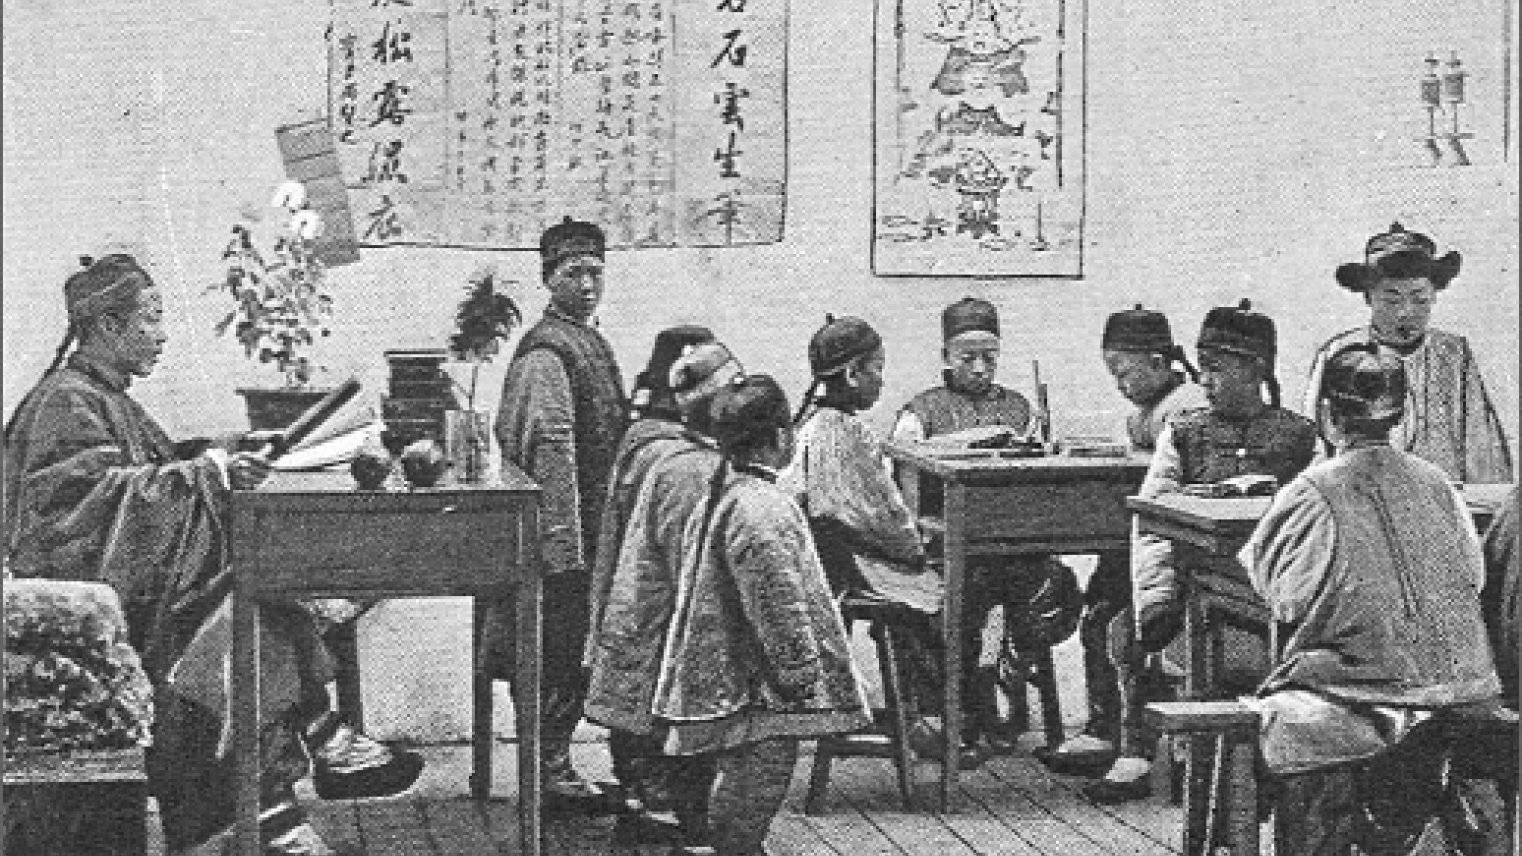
103	284
1140	330
840	341
969	315
1239	330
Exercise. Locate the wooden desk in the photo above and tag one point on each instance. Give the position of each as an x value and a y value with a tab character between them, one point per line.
314	535
1009	507
1219	528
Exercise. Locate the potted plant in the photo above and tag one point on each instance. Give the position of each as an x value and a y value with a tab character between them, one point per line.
281	306
485	318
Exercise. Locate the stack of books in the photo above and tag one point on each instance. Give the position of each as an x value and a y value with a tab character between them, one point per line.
420	393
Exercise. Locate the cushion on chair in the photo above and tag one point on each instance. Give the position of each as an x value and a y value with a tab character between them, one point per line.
72	680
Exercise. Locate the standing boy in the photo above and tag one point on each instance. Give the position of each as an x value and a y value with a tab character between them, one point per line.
563	411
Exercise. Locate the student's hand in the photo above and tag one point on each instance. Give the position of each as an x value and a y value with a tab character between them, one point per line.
247	470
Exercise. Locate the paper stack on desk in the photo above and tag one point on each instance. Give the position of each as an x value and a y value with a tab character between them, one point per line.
1095	447
337	440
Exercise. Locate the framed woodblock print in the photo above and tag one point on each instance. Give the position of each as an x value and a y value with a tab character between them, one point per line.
978	138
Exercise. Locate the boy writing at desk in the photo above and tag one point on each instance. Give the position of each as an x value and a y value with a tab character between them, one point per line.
1238	434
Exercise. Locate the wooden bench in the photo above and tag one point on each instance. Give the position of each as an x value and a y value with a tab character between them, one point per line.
1221	809
82	803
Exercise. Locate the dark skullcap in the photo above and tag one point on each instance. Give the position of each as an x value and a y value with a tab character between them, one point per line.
1364	384
969	315
670	345
568	239
1239	330
102	286
1399	254
838	342
1141	330
747	409
700	373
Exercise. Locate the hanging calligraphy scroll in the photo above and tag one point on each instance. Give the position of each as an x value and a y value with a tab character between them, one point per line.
978	130
479	123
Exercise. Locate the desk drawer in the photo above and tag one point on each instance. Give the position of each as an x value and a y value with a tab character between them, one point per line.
1048	512
447	551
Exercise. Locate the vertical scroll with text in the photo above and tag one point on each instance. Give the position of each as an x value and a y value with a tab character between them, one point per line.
478	123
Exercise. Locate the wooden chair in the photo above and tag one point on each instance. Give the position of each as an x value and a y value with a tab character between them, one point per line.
888	738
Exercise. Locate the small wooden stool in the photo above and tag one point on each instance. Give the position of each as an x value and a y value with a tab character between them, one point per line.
887	740
84	803
1224	812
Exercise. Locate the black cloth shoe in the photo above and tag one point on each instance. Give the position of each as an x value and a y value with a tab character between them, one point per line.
1089	765
348	765
1110	792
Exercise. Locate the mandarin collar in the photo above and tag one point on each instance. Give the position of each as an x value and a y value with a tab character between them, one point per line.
110	377
551	311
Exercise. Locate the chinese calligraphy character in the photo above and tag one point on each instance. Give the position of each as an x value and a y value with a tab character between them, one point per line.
730	98
385	223
391	47
386	163
390	109
732	52
726	158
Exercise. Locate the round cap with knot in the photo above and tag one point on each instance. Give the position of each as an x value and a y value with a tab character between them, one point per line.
568	239
102	285
748	408
1399	254
670	345
969	315
1139	330
1363	383
1239	330
701	372
839	342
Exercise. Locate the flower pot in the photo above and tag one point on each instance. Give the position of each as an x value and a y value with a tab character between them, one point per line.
275	409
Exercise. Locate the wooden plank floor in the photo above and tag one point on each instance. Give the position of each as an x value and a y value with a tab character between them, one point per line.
1010	807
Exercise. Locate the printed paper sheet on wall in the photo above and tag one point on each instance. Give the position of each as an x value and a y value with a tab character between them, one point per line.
478	123
979	138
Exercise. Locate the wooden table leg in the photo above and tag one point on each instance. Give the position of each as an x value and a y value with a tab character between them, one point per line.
530	668
245	724
1197	764
481	737
951	626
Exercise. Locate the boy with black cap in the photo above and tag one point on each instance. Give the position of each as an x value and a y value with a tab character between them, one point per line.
757	657
664	468
1449	418
1371	568
868	540
654	437
1237	434
562	414
1037	596
1140	354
